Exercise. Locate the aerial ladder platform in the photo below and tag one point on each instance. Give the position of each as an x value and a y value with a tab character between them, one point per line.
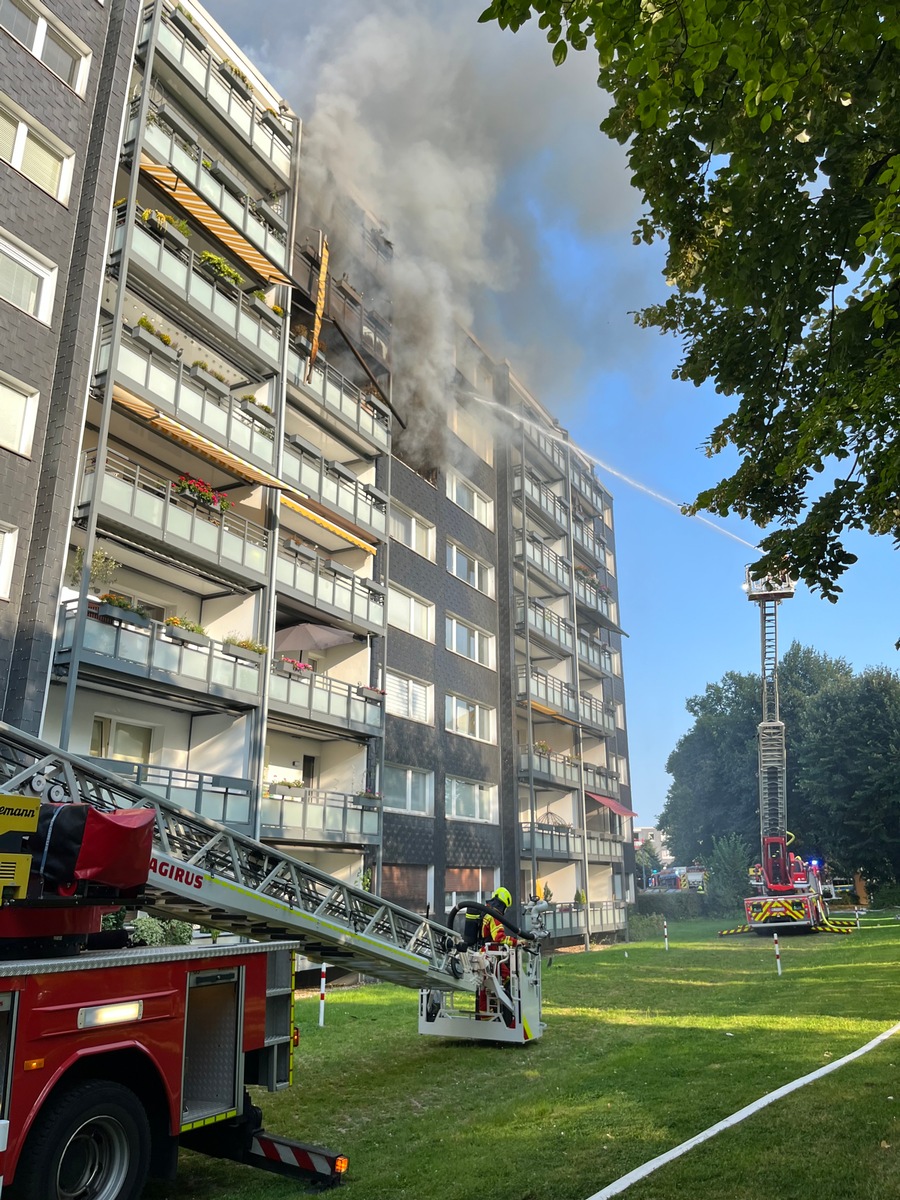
204	873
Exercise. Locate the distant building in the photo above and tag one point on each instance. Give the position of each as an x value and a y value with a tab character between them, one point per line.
657	840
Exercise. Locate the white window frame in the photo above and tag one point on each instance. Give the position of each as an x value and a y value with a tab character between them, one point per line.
482	509
45	19
111	725
487	798
9	541
484	571
31	400
395	681
485	718
485	641
395	595
28	126
41	267
428	776
418	525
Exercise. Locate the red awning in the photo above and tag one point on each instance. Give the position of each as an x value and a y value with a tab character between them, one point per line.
612	805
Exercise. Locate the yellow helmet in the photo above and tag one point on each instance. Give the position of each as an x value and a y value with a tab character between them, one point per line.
502	894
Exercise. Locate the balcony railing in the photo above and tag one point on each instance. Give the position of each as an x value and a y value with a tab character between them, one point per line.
539	496
181	272
332	486
243	214
220	797
589	488
599	779
361	413
585	540
596	714
571	920
589	593
311	696
203	69
556	769
309	815
594	654
218	416
545	690
546	624
357	601
555	452
563	843
553	568
149	506
151	651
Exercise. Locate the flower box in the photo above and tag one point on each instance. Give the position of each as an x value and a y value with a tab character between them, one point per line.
187	29
170	117
262	309
227	177
271	216
258	414
177	634
238	84
252	656
302	551
367	801
283	668
173	235
149	340
370	693
124	615
209	381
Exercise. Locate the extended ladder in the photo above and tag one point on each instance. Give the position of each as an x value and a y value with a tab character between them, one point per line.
203	872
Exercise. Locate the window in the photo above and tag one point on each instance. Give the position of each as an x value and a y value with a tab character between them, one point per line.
470	499
468	883
408	789
18	412
469	719
9	539
471	570
409	612
409	698
34	151
473	432
470	800
47	39
26	281
412	531
118	740
469	641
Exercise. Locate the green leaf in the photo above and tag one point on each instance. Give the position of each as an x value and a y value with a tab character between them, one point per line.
560	50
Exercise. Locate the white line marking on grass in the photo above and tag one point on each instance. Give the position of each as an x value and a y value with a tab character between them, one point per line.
741	1115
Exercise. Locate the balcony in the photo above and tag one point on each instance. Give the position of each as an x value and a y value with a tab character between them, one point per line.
244	214
562	843
546	625
594	655
554	452
595	599
156	377
555	571
222	798
314	698
597	715
543	505
179	272
586	542
227	95
309	815
590	489
546	693
599	779
356	412
571	920
303	575
333	486
147	506
550	770
151	651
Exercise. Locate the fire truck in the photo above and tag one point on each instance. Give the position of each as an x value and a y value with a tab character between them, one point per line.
113	1057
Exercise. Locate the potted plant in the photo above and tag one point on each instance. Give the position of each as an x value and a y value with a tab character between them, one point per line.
184	23
219	268
180	629
155	340
370	693
292	667
212	380
120	608
173	229
258	411
245	648
285	787
103	569
368	798
259	302
542	747
231	72
200	490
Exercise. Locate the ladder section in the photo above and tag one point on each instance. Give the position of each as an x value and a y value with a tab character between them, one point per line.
203	872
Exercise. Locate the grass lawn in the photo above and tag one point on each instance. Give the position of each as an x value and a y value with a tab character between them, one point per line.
640	1053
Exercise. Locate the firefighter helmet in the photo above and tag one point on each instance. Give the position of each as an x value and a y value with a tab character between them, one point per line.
502	894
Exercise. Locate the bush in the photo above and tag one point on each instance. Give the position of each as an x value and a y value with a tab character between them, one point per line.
150	931
644	927
674	906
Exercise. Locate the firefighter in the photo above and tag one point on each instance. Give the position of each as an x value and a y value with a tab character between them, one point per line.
493	930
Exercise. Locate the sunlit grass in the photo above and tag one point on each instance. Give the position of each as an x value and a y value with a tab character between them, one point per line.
641	1053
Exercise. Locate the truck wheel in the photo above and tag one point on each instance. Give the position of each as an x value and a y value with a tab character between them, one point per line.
91	1142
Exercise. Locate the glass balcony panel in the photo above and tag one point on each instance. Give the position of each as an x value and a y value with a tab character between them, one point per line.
226	309
241	435
165	655
222	672
131	364
268	342
145	245
169	40
101	639
219	91
255	557
213	807
147	507
203	534
133	647
195	64
162	383
202	291
175	270
334	819
194	662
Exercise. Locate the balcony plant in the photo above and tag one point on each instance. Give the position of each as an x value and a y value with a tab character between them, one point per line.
211	379
258	411
120	608
246	648
103	569
175	229
180	629
542	747
220	268
369	797
239	81
205	493
370	693
145	331
292	666
260	303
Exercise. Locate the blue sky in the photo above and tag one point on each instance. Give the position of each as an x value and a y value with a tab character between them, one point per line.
486	158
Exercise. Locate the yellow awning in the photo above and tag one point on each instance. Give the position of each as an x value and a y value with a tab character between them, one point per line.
182	193
196	442
330	526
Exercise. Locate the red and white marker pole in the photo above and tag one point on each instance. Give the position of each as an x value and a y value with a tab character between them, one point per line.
666	932
777	953
322	994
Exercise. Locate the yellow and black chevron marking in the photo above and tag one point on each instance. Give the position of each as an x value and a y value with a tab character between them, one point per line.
781	909
740	929
835	927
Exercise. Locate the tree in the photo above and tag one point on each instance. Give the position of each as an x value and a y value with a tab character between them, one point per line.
765	139
727	866
647	859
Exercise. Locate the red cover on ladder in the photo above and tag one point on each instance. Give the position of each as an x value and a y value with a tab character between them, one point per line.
77	843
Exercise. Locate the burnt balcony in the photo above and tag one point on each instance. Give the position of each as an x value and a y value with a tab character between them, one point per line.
147	369
132	647
186	54
319	817
541	560
546	693
542	504
550	770
597	715
313	698
333	486
590	489
222	798
552	630
355	412
325	587
149	508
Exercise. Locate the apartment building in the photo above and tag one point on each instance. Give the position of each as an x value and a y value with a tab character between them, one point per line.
233	573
